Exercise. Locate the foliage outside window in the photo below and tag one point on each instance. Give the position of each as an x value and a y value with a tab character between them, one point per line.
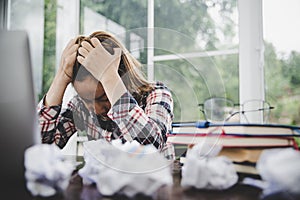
49	45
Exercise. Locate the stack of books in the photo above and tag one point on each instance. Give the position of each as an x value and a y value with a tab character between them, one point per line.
242	143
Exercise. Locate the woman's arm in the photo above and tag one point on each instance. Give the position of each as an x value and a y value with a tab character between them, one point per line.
56	126
63	76
148	126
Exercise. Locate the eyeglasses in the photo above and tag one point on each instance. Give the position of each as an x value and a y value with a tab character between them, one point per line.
219	109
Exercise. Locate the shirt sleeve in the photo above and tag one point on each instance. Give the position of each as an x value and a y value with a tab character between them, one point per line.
56	126
148	126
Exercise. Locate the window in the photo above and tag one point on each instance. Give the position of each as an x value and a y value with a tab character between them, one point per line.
194	48
29	16
282	59
195	52
125	19
188	48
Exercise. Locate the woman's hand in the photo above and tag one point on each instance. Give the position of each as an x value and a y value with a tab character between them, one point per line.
104	67
68	59
98	61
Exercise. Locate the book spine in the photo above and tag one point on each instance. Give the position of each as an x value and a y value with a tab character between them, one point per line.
206	124
232	134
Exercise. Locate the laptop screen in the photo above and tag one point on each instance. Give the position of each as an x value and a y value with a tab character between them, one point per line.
18	121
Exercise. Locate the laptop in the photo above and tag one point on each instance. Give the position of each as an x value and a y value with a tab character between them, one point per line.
18	120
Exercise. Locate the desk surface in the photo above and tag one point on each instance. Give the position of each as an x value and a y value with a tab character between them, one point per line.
77	191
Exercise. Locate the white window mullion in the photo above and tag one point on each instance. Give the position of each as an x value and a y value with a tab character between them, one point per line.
150	35
251	55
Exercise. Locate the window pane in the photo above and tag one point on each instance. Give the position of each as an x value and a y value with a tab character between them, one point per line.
195	79
208	25
126	19
29	16
282	59
195	48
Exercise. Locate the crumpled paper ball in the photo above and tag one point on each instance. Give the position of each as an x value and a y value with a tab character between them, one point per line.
280	169
46	170
129	168
203	170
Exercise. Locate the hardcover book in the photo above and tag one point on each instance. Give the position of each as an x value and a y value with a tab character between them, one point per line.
231	141
236	129
234	135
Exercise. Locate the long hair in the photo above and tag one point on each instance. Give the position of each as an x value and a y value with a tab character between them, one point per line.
129	67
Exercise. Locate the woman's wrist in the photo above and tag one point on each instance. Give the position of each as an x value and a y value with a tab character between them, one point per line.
63	77
109	78
114	87
57	89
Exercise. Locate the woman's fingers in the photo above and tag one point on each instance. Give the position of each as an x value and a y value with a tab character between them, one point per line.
87	46
73	56
96	42
72	49
70	54
82	51
117	52
97	60
70	60
80	59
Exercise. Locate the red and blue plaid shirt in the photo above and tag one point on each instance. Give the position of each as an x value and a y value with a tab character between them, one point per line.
147	122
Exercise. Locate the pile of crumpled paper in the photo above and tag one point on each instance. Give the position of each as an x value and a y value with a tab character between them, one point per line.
47	171
115	168
280	171
129	168
203	169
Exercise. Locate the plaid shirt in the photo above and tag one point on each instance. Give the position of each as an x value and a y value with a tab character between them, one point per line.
147	122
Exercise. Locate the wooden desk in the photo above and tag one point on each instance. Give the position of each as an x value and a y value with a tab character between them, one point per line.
77	191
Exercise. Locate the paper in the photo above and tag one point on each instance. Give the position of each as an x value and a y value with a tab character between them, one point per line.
128	168
46	170
203	170
279	169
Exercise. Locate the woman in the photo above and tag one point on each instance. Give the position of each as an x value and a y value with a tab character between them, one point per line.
114	100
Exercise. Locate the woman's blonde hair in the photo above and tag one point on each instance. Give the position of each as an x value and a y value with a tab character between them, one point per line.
129	67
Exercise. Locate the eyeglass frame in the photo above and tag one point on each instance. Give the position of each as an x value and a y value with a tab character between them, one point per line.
241	111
